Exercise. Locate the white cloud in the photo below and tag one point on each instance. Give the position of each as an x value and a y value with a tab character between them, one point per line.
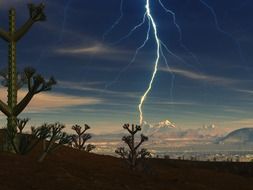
200	76
95	48
98	50
84	50
83	87
245	91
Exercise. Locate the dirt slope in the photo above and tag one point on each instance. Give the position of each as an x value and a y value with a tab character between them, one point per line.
73	170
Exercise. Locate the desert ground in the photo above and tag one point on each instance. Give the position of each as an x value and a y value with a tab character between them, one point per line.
70	169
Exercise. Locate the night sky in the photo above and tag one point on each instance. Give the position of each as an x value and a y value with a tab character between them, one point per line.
209	79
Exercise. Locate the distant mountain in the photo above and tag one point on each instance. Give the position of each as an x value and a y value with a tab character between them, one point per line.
168	130
165	124
239	136
161	127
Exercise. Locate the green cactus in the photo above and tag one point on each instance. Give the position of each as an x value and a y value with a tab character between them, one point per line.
36	83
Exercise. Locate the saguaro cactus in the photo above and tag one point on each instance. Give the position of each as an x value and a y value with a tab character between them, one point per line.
36	83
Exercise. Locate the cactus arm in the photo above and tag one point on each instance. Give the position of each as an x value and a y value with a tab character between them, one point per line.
4	108
4	35
36	14
23	103
21	32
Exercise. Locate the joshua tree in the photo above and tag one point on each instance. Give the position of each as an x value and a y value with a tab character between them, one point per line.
56	138
133	154
36	83
50	135
21	123
81	137
29	141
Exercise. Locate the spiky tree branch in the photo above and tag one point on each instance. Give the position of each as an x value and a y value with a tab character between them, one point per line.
30	141
132	155
36	84
36	14
56	139
21	123
81	138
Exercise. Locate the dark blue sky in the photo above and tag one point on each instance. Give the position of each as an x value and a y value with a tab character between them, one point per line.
212	66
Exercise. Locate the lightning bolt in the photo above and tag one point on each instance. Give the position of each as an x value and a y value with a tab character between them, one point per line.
179	29
136	52
151	24
158	49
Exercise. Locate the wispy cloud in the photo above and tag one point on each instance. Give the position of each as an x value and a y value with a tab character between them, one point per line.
46	101
200	76
245	91
165	102
236	111
248	122
84	87
95	48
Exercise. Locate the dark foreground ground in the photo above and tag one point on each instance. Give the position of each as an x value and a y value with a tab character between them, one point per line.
73	170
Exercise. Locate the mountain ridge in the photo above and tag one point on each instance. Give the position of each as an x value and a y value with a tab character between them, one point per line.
238	136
